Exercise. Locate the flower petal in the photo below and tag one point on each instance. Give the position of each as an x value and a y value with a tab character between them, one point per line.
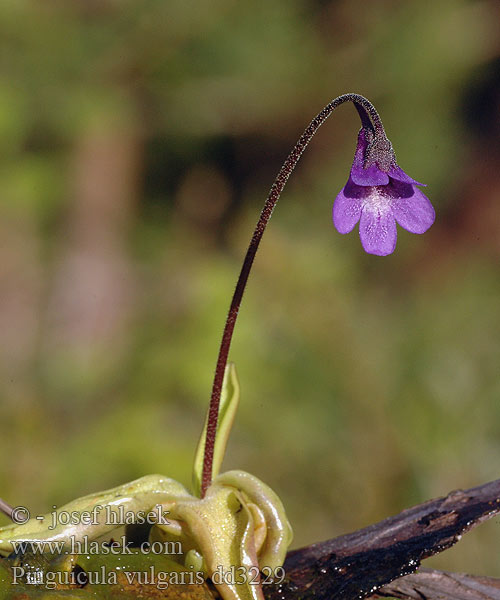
397	172
377	229
415	214
371	176
347	209
361	176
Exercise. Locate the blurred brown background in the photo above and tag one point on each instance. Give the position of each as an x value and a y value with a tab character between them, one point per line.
137	143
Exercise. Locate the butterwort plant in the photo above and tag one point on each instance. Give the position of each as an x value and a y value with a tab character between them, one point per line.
233	520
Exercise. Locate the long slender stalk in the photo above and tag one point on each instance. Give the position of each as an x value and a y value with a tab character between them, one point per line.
369	119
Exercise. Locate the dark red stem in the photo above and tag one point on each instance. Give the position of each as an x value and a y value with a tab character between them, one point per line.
369	118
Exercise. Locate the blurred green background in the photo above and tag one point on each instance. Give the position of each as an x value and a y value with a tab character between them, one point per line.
138	141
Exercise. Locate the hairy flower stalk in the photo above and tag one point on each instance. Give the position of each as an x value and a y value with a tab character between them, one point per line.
377	193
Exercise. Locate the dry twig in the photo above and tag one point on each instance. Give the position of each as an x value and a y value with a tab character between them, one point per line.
361	563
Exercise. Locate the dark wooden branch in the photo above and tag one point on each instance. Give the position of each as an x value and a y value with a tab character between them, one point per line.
360	563
439	585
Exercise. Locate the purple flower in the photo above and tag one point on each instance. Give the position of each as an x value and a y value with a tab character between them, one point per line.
378	194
